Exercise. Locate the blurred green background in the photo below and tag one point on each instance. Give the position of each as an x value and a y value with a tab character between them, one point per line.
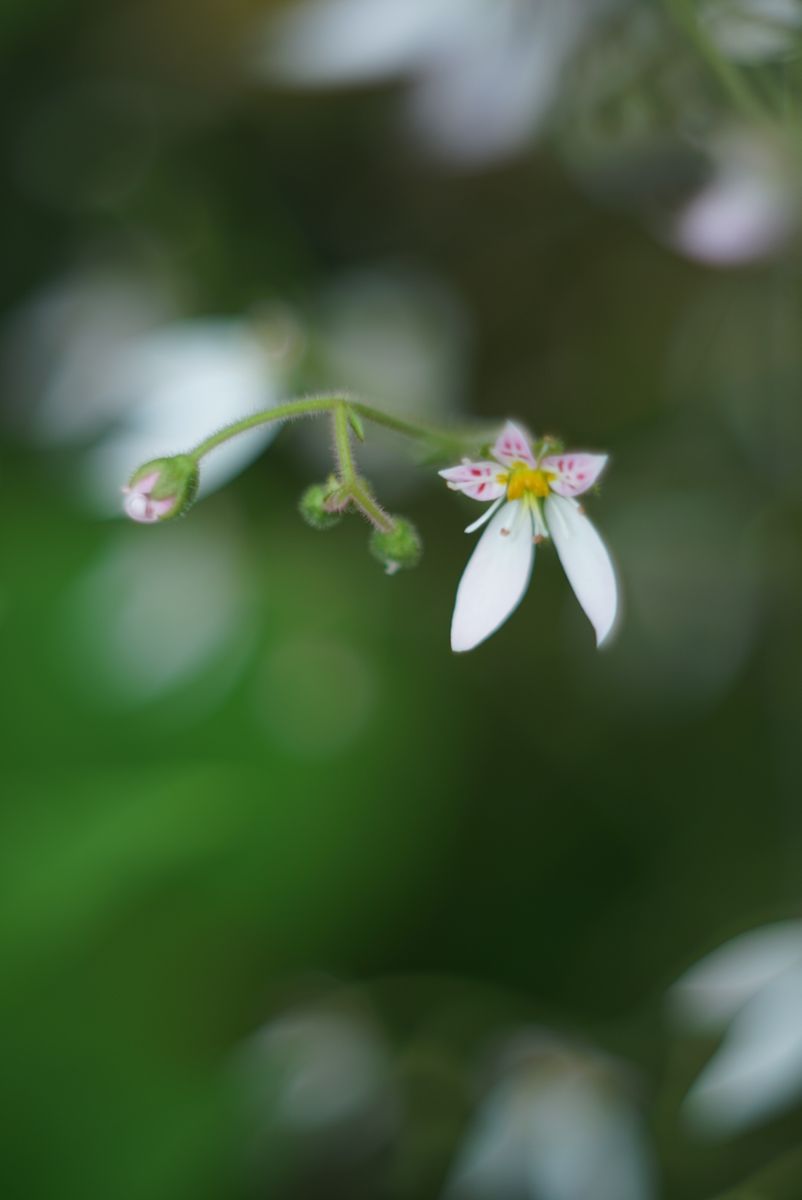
296	903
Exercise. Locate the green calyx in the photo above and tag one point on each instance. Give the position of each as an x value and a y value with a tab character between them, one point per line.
319	504
398	548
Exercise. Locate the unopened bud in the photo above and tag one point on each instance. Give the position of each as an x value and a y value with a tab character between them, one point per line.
400	548
318	505
161	489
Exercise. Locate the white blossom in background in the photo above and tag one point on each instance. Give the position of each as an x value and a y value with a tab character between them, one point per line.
184	381
559	1124
483	73
750	991
747	210
753	31
679	656
105	364
63	348
132	630
398	337
322	1078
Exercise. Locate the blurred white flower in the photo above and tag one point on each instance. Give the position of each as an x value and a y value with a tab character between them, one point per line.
678	656
485	72
753	31
320	1078
558	1125
183	382
64	344
747	211
132	629
398	337
751	990
100	361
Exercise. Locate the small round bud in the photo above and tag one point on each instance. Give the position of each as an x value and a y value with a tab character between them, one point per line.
398	549
318	505
162	489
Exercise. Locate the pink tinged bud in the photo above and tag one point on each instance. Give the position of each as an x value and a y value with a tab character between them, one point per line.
140	506
161	490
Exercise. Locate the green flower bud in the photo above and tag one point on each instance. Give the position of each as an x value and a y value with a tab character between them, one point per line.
162	489
398	549
318	504
355	421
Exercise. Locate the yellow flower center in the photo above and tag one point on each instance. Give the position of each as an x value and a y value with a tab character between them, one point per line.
523	480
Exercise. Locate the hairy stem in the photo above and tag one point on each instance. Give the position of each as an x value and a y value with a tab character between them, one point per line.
353	486
312	406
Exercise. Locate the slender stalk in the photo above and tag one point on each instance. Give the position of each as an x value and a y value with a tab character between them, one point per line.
729	77
342	445
406	428
311	406
354	487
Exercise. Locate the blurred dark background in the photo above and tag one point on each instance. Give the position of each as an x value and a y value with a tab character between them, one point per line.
296	903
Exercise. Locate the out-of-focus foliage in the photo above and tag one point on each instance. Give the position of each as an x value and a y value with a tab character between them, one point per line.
295	903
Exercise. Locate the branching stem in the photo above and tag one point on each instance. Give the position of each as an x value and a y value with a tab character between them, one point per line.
354	488
312	406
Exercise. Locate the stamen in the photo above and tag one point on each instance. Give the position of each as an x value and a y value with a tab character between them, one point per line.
539	525
516	519
485	516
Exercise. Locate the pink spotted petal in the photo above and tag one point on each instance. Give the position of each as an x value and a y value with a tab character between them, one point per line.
512	445
478	480
575	472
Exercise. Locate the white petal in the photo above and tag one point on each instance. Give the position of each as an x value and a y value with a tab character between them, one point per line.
714	990
757	1071
330	42
585	561
495	578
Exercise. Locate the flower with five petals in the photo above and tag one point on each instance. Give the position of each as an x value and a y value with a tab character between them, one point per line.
533	497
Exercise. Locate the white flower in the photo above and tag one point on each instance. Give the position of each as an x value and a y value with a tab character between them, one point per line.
747	211
101	362
484	74
559	1123
750	991
753	31
533	496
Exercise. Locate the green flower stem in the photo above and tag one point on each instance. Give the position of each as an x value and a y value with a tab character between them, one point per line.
354	487
311	406
729	76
